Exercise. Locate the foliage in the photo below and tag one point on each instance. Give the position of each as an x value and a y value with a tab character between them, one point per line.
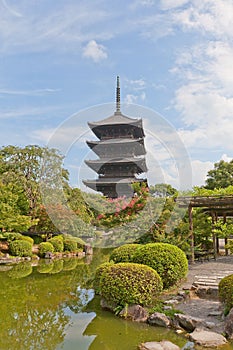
168	260
229	245
98	273
57	242
124	253
12	236
225	291
20	270
45	247
20	248
27	238
70	245
162	190
221	176
129	283
122	210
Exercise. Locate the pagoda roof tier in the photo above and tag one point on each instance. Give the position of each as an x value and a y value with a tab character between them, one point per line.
122	144
134	126
98	164
116	119
105	182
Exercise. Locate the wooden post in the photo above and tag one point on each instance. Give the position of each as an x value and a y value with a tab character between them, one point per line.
226	240
190	211
213	235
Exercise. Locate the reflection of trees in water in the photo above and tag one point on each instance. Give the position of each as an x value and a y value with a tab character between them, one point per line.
33	309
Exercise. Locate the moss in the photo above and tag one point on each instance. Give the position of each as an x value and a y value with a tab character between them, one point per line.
44	248
168	260
129	283
20	248
225	290
124	253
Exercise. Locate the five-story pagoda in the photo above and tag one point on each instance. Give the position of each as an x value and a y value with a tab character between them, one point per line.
121	153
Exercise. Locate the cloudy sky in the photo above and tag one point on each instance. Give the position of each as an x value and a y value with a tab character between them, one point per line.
174	58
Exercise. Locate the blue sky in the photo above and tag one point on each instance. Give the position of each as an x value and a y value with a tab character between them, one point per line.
58	58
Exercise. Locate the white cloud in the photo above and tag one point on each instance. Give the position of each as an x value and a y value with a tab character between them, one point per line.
199	171
95	51
38	92
171	4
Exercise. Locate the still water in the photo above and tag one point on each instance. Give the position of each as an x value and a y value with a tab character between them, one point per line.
52	306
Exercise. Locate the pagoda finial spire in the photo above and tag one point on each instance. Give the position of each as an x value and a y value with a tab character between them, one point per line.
118	96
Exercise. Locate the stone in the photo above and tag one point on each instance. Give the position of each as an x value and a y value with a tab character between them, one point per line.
106	305
48	255
134	313
159	319
187	322
88	249
162	345
188	346
229	325
207	338
171	302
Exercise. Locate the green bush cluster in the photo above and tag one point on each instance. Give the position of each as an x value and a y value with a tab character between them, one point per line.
70	245
225	290
129	283
20	248
168	260
98	273
57	242
45	247
124	253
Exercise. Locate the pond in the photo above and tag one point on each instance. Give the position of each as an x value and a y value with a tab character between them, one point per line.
52	306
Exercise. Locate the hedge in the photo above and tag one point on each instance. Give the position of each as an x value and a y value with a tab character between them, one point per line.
129	283
70	245
124	253
44	248
57	243
168	260
98	273
225	291
20	248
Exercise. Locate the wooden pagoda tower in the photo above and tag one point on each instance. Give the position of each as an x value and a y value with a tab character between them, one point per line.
121	153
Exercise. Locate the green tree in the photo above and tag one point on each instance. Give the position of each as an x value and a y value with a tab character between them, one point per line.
162	190
221	176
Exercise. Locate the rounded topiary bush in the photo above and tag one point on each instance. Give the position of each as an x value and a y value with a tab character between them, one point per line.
57	243
98	273
70	245
45	247
20	248
168	260
69	264
57	266
124	253
27	238
129	283
225	291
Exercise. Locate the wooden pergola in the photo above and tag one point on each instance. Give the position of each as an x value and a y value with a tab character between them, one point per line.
215	206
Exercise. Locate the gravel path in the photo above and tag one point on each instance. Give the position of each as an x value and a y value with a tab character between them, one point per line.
206	275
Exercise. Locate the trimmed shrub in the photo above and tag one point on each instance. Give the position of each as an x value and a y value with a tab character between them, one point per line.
20	248
124	253
57	243
70	245
12	236
27	239
168	260
225	291
20	270
98	273
129	283
45	247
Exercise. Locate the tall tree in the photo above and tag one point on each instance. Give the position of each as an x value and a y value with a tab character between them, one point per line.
221	176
